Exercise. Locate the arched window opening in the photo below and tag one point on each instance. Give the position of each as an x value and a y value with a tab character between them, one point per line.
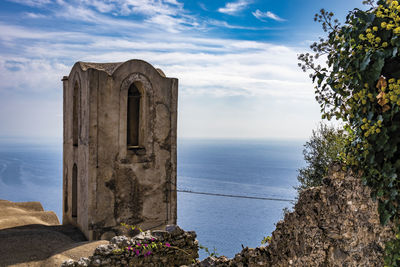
133	116
75	115
75	191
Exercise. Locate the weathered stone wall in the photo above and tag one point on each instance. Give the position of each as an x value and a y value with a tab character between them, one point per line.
336	224
119	183
175	247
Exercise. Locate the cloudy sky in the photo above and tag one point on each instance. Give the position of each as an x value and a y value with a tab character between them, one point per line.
236	61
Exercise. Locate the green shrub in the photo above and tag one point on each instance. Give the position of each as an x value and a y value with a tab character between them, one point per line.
360	85
324	147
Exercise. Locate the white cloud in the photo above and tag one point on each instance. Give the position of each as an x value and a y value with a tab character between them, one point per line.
101	6
29	76
203	6
262	15
162	14
85	14
210	70
233	8
32	15
221	23
36	3
204	65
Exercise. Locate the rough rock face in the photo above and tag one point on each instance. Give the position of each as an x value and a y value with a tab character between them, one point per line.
175	247
336	224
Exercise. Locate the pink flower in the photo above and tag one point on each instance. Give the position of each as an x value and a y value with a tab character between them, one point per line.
147	253
167	244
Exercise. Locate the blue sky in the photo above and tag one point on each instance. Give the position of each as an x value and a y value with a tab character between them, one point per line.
236	61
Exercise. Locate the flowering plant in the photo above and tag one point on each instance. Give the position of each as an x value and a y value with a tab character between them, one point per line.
360	85
146	247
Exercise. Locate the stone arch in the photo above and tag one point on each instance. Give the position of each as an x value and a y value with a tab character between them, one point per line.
76	109
145	113
133	115
75	114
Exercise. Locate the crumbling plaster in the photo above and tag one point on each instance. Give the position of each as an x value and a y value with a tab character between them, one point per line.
117	184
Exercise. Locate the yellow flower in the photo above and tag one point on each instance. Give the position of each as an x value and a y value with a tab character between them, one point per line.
395	3
391	80
397	30
384	44
378	130
398	8
368	30
378	39
375	28
383	25
366	85
389	26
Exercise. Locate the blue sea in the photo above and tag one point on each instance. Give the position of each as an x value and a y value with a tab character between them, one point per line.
32	171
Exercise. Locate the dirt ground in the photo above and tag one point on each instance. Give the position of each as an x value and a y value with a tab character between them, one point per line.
30	236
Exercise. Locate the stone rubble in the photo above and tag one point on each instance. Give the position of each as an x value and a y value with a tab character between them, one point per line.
182	250
336	224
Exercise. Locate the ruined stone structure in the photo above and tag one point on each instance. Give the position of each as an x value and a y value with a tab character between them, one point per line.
182	249
336	224
119	158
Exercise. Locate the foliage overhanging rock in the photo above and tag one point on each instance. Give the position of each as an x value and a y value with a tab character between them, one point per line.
336	224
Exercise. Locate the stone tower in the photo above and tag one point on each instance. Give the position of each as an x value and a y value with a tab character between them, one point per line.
119	156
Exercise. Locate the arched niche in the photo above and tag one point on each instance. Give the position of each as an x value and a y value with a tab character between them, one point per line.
134	116
136	100
75	114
